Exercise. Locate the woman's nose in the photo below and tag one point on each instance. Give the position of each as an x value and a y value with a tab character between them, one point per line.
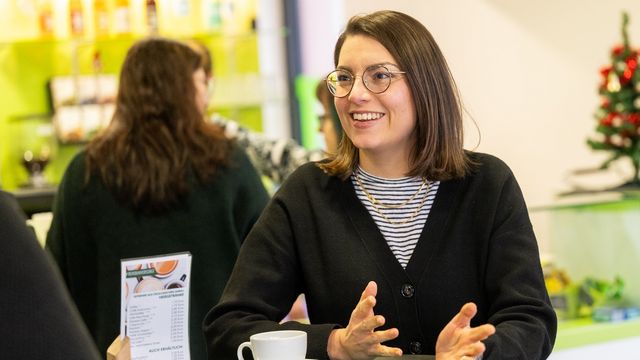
359	91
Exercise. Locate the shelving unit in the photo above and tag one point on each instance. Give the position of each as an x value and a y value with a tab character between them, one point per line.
596	236
27	66
246	39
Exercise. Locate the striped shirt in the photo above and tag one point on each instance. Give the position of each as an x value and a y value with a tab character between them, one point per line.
406	203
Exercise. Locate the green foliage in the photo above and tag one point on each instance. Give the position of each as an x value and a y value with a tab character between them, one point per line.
599	293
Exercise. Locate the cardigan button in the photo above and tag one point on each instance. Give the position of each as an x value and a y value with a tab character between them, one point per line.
415	347
407	291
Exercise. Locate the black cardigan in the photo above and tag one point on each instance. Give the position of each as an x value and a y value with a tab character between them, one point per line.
316	237
38	319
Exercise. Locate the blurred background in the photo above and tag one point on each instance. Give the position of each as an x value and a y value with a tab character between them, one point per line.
535	79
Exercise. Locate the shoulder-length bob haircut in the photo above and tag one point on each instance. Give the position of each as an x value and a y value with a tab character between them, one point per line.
438	152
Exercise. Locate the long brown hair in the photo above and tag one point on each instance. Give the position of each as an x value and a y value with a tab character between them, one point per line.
157	140
438	153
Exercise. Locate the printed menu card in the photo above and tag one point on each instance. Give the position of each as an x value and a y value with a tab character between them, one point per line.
154	306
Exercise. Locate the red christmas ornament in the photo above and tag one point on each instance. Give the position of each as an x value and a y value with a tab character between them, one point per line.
626	76
617	50
607	120
605	70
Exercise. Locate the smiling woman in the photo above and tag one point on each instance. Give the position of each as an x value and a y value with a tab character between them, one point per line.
377	113
429	246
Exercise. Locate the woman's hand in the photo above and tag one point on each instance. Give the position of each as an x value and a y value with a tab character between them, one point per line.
458	340
359	340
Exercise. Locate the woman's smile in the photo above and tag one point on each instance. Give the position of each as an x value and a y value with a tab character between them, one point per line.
359	116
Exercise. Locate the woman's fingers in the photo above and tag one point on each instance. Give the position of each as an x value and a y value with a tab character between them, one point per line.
360	340
369	325
474	349
464	316
364	309
481	332
379	337
375	340
370	290
458	337
462	320
387	351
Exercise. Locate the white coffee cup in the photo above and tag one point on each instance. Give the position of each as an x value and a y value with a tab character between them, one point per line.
276	345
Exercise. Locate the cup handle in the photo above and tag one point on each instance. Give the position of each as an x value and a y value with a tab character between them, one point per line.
241	347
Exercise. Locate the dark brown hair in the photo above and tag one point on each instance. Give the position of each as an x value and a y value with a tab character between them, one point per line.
157	140
205	55
438	153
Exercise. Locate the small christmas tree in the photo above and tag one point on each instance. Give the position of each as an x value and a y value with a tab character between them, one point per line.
619	113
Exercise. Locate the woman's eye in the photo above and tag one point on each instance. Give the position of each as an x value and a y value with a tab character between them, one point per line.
380	75
344	77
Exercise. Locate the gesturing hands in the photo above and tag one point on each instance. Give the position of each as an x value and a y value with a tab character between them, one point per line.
458	340
359	340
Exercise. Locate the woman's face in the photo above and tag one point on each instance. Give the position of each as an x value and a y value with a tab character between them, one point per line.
201	82
377	124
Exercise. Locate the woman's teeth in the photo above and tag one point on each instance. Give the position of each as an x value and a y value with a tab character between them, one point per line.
366	116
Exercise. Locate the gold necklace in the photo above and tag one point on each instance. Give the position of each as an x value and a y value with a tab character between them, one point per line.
375	201
410	218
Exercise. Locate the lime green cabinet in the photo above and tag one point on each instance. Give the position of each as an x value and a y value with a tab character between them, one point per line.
596	237
27	66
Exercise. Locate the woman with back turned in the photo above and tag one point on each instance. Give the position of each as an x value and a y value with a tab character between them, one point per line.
158	180
402	242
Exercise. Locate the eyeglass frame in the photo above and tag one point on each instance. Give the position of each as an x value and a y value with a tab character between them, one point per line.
384	65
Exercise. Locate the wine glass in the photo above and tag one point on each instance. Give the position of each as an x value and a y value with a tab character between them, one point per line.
36	153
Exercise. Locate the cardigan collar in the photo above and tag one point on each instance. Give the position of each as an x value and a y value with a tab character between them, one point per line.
431	237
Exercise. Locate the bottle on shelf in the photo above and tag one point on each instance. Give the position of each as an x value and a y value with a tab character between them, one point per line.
122	22
152	17
211	15
76	18
45	18
101	18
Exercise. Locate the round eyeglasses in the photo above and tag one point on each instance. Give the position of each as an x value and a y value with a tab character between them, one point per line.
376	79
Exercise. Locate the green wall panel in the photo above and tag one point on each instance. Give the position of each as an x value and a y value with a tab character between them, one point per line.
26	67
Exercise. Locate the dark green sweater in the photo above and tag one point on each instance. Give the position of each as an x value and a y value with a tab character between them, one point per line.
91	232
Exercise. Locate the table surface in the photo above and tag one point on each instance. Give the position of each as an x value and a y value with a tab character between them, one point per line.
583	332
35	200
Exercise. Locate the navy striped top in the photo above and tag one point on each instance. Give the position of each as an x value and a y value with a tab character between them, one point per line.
400	207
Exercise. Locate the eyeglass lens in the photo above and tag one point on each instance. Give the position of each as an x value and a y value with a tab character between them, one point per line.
376	80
